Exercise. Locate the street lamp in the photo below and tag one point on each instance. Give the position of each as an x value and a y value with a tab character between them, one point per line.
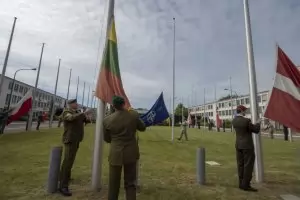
13	83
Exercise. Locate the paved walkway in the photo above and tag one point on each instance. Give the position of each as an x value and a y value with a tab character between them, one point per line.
21	126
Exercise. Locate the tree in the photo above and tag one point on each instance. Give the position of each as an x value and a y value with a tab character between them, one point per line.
178	110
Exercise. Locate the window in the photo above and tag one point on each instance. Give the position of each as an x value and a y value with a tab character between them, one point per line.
229	104
21	89
242	101
247	101
7	99
264	98
10	85
14	98
229	112
238	102
226	112
223	112
258	99
25	90
16	87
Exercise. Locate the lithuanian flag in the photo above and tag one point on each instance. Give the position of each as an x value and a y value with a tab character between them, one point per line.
109	80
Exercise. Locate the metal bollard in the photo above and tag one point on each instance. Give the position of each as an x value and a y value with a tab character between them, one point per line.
201	165
54	169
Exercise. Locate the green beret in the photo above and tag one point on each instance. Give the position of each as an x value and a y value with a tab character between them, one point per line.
72	101
117	100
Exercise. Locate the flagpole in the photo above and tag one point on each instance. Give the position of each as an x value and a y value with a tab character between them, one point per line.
259	169
173	92
92	98
196	121
7	55
215	93
182	110
231	102
204	110
98	144
88	101
69	83
170	123
54	96
34	90
77	87
83	94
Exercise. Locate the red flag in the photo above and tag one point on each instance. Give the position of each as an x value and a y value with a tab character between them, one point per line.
284	101
22	107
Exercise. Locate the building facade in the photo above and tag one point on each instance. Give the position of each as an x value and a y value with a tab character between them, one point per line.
226	108
42	98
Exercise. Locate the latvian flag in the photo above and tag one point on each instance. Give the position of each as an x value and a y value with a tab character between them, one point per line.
22	108
284	101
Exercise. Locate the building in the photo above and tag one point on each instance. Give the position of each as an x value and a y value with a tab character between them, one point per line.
141	111
42	98
226	110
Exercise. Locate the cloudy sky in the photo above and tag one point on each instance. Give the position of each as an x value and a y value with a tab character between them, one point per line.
210	44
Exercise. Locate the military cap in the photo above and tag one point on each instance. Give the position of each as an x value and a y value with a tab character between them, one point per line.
70	101
241	108
117	100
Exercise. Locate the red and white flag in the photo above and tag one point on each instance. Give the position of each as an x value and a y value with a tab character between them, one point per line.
284	101
22	107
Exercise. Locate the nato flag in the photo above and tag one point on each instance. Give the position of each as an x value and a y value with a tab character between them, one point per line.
157	114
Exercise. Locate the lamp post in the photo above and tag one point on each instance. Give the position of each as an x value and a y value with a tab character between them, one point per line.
13	83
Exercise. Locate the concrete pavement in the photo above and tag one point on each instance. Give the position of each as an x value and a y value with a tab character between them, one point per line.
21	126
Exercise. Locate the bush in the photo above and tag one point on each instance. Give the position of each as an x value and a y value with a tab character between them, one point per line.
227	123
23	118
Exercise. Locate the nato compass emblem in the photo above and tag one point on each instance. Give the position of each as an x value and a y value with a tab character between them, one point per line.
151	117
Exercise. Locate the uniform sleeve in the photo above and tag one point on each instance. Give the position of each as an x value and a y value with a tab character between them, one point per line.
140	125
254	128
106	133
68	116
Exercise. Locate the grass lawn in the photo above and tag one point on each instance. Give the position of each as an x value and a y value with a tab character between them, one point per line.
167	170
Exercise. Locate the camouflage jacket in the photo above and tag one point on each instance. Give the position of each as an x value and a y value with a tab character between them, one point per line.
73	126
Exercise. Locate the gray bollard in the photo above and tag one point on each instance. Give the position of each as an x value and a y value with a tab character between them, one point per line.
54	169
201	166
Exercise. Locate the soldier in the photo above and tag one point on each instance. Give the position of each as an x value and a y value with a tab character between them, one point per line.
285	132
244	147
120	131
183	130
3	120
223	125
40	119
72	136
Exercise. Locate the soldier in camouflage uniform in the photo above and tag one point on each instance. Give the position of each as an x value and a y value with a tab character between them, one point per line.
3	120
183	130
73	134
120	130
